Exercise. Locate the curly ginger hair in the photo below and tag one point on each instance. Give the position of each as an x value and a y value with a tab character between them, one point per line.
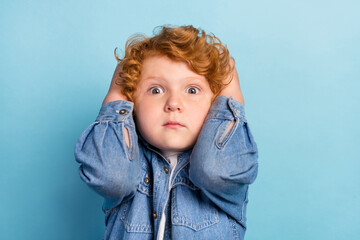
204	53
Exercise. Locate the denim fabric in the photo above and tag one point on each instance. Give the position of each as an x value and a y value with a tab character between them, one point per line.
209	187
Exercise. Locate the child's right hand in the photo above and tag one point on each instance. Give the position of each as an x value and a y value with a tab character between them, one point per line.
114	92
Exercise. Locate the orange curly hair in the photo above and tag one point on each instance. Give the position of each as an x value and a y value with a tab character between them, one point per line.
204	53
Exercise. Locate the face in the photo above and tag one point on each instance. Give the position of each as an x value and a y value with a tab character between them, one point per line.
171	103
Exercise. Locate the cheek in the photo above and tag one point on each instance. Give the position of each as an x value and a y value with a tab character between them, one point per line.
199	118
145	118
141	114
145	110
143	126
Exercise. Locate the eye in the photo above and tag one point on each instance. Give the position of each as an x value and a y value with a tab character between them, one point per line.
156	90
192	90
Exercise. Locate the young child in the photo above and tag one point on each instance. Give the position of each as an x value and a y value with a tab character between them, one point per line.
171	151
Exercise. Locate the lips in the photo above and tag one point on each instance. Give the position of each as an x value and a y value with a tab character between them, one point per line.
173	124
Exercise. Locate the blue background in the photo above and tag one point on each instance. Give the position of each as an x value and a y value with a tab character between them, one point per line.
299	68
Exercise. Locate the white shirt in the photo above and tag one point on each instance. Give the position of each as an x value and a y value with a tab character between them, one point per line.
172	158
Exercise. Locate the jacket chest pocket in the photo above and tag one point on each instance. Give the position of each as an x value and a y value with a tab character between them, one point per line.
136	213
191	208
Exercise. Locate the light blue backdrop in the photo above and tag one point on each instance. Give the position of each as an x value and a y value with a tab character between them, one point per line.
299	67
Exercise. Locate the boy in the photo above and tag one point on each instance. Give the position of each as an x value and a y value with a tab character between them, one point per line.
171	151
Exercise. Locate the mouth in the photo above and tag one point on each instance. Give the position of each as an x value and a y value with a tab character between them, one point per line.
173	125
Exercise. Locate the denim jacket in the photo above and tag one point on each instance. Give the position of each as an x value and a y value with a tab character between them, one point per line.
208	191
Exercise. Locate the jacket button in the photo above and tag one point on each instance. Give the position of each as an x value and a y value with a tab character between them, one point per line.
155	215
146	180
166	170
122	111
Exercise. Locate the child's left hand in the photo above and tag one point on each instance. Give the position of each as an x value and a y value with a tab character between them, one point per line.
233	88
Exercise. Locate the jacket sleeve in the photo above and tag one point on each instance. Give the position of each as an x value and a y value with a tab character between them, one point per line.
108	165
223	166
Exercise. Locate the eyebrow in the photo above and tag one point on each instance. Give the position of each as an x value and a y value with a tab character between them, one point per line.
154	77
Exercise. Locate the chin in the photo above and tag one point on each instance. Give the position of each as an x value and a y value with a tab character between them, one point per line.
177	148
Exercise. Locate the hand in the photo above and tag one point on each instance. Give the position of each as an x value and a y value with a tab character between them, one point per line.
233	88
114	92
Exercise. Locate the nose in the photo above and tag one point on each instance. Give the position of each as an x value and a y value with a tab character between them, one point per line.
173	103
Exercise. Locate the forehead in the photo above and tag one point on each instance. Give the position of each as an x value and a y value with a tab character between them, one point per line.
162	67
